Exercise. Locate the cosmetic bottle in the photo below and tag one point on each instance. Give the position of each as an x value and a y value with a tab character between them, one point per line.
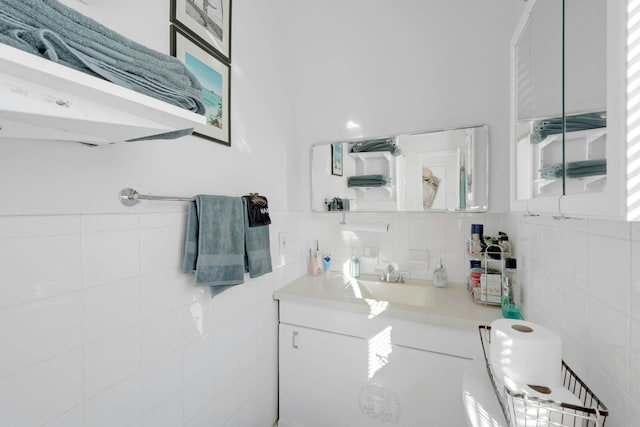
440	276
313	264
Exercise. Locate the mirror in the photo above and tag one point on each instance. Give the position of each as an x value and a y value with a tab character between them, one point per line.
438	171
560	99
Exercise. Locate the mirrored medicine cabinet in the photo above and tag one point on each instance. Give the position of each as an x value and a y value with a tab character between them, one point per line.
559	104
436	171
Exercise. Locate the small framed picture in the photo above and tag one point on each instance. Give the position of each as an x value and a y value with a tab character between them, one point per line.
208	21
336	159
214	75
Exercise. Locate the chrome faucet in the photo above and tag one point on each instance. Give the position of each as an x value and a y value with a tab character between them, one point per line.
387	274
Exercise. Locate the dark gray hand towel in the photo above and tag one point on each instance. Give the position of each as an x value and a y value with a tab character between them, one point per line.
257	246
214	242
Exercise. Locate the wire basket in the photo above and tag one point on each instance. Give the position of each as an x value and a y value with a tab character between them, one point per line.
522	410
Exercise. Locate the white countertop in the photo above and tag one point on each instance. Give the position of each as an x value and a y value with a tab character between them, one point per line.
414	300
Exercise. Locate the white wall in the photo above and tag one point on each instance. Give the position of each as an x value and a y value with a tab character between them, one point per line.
97	324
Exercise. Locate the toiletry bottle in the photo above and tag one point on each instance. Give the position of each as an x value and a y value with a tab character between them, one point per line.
510	291
440	277
313	264
355	267
318	258
327	263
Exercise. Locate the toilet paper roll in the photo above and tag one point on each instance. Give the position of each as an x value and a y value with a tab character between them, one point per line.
542	414
526	352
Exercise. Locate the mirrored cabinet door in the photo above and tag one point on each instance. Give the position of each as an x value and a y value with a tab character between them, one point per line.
585	100
537	55
560	80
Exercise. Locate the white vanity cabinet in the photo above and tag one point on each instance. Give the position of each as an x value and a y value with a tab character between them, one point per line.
344	368
588	75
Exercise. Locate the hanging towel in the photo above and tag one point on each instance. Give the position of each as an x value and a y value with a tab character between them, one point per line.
257	246
56	32
214	243
257	210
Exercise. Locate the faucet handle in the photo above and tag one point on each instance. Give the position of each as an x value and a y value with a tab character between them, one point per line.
402	275
382	273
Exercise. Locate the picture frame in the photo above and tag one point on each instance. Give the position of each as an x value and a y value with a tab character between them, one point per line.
336	159
207	21
214	75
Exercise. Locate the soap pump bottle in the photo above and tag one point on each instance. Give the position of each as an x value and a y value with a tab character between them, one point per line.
440	277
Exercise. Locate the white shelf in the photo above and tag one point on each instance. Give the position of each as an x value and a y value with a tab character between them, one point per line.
364	190
41	99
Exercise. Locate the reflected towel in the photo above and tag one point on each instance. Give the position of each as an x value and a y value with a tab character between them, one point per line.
543	128
386	144
214	243
578	169
368	181
257	260
56	32
552	171
585	168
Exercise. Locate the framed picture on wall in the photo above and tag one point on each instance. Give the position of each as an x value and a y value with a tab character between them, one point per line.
336	159
208	21
214	75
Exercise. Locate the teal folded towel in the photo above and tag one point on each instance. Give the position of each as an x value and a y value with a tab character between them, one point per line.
257	246
215	242
54	31
578	169
552	171
543	128
368	181
584	168
386	144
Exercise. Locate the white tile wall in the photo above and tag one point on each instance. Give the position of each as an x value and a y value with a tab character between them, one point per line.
581	278
412	237
98	327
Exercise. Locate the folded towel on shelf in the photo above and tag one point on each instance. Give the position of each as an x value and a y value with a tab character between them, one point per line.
257	258
215	242
368	181
54	31
552	171
585	168
543	128
578	169
385	144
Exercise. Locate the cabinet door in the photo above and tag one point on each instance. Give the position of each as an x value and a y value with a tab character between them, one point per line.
329	379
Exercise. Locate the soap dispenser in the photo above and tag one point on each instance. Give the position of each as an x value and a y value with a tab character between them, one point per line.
440	277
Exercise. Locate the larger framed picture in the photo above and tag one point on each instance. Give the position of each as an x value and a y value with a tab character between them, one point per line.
206	20
214	76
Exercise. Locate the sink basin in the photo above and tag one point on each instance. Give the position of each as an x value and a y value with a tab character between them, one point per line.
396	293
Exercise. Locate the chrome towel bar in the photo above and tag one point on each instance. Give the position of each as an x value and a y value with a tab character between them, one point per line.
130	197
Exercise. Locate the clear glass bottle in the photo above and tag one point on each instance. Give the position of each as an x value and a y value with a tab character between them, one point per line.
355	267
440	276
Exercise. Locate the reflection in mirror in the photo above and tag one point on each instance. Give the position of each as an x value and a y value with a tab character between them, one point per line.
437	171
560	128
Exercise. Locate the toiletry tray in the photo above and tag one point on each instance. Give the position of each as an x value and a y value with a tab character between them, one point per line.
522	410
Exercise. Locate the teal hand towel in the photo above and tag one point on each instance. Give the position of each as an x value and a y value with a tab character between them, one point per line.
368	181
214	242
56	32
257	246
